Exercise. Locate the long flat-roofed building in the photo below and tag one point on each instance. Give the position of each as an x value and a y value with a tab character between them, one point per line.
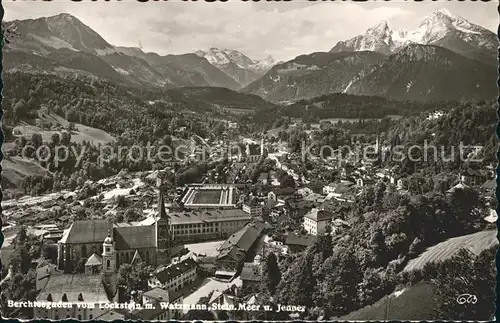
206	224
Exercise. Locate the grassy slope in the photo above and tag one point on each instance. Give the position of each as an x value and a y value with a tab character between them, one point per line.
475	242
414	303
82	132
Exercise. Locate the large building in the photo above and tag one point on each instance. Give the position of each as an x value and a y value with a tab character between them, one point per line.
150	240
81	294
174	277
316	221
210	196
234	251
85	238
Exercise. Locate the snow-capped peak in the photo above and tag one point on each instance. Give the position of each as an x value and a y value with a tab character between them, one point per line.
440	27
223	56
443	11
380	28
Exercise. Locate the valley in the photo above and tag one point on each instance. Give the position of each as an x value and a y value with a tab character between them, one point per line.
216	179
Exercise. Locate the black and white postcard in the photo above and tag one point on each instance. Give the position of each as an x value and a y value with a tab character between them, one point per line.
241	160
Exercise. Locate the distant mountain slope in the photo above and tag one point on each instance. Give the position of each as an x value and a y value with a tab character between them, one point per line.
420	72
221	97
63	40
440	28
315	74
43	35
237	65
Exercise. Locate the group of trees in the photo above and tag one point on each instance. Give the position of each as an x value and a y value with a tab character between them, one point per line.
341	275
463	273
22	282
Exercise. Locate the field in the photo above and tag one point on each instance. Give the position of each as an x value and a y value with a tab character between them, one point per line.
475	242
207	197
15	169
81	133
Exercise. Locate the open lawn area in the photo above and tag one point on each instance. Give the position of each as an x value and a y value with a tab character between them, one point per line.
207	197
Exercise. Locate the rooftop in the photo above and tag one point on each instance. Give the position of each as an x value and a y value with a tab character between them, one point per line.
158	294
212	215
74	288
175	270
87	231
295	240
134	237
239	243
319	215
250	272
94	260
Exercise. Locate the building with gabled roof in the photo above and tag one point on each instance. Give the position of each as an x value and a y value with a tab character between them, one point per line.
234	250
316	221
175	276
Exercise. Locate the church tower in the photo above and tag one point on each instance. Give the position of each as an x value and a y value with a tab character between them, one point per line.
109	264
162	227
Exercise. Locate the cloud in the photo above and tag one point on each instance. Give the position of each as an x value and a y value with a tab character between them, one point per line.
283	30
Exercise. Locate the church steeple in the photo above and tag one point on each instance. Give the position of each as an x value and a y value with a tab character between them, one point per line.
163	233
109	264
161	203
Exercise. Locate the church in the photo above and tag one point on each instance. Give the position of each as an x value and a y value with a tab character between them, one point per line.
100	241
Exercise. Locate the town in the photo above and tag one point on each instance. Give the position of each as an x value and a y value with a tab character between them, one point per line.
343	170
208	241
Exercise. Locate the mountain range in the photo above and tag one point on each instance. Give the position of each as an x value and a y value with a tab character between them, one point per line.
440	28
237	65
63	44
444	56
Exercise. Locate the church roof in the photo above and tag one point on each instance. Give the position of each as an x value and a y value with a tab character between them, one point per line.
94	260
87	231
134	237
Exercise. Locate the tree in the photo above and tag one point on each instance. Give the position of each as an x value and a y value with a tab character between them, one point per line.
131	215
272	273
49	252
21	109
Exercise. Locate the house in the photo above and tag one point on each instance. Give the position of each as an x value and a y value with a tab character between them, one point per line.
278	194
264	178
339	225
305	191
156	296
492	216
73	289
459	186
364	181
207	265
235	249
400	184
175	276
252	207
225	297
316	221
251	275
329	189
296	243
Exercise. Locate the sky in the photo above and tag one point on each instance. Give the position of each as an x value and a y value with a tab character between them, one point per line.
283	30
